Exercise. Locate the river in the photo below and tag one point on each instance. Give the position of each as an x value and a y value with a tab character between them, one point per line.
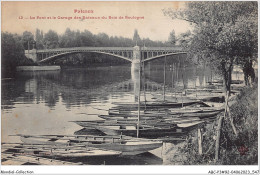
45	102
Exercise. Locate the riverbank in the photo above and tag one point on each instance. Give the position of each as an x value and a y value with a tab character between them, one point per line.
240	150
37	68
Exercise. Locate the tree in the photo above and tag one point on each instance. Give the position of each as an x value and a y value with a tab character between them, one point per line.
246	28
28	40
136	38
12	54
39	39
102	39
51	40
184	39
66	39
217	31
218	36
172	38
87	38
223	32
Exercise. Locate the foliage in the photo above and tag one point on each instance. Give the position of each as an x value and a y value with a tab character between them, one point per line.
51	40
241	150
27	40
39	39
245	115
172	38
12	54
184	39
223	32
136	38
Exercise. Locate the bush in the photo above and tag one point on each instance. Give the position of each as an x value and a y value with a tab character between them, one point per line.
241	150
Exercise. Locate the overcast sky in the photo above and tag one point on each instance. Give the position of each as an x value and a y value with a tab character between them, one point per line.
155	25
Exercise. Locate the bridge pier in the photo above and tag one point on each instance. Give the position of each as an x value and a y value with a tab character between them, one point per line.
31	54
136	58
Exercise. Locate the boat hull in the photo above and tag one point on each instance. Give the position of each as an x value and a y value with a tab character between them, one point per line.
125	147
131	148
144	133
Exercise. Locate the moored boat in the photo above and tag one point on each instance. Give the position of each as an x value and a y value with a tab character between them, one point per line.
201	114
204	112
154	105
117	122
57	150
127	146
145	131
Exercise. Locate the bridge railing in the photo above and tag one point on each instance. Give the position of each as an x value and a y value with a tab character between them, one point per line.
161	49
75	49
86	49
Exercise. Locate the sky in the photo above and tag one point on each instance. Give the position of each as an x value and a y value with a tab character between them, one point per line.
17	17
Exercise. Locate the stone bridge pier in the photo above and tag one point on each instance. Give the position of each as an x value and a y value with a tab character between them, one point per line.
31	54
136	58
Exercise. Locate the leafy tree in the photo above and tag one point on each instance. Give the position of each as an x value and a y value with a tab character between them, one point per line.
136	38
12	54
39	39
102	39
172	38
184	39
27	40
223	32
87	38
51	40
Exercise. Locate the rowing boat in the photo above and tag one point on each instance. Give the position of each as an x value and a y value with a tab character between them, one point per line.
145	131
127	146
125	118
59	151
154	105
202	114
134	112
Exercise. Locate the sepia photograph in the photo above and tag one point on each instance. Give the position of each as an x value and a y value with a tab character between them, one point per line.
129	83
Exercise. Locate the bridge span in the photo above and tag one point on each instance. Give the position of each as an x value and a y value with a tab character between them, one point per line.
135	54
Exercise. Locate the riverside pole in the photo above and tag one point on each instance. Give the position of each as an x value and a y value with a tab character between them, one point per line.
142	59
139	93
164	76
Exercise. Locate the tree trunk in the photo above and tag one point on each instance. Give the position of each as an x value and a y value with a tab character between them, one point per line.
231	121
220	122
249	72
227	74
200	141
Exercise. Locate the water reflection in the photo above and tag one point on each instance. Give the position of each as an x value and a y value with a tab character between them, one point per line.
87	90
141	159
135	76
45	102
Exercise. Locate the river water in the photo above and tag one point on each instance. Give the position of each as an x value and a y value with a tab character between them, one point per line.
45	102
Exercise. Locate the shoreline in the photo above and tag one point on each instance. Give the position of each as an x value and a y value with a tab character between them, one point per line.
37	68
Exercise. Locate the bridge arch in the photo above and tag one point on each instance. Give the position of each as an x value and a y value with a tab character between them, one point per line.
58	56
163	55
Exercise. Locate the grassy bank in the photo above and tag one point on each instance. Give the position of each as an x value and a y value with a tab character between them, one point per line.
240	150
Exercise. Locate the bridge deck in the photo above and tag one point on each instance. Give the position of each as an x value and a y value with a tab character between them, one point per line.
120	49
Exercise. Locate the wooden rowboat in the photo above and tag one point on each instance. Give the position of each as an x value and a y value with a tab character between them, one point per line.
197	114
145	131
59	151
127	117
160	105
126	146
119	122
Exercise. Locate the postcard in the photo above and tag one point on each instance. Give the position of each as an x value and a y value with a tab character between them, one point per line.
99	87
